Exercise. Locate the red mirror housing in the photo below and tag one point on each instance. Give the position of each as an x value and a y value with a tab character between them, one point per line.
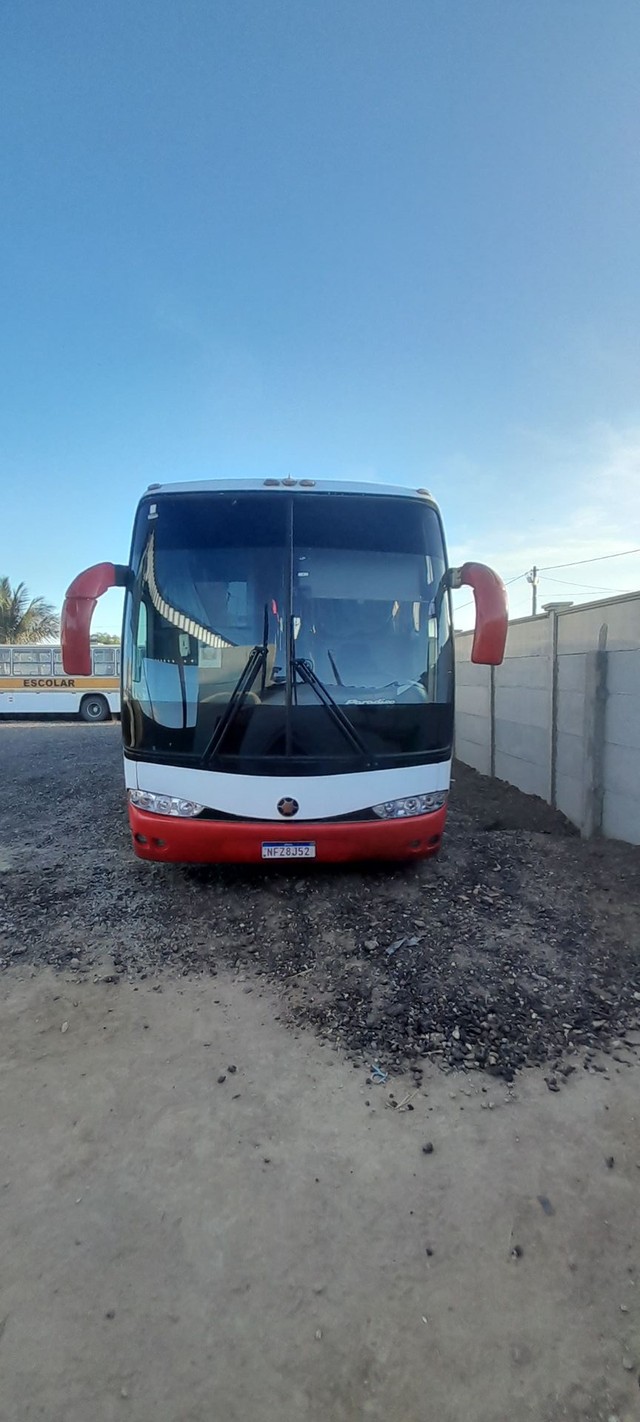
492	611
77	611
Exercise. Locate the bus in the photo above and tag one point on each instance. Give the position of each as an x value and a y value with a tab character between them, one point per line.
287	669
33	681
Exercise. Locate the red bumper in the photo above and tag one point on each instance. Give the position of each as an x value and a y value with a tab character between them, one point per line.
177	841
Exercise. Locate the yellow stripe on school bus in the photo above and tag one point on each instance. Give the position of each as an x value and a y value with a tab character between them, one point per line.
59	683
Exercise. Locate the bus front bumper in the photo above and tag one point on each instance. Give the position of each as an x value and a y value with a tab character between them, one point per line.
183	841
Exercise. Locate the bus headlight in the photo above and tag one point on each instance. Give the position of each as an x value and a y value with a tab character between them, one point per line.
164	804
411	805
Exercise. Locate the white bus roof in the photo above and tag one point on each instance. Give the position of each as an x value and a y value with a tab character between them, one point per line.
287	484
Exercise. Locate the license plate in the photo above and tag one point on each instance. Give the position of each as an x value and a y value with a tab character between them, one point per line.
274	850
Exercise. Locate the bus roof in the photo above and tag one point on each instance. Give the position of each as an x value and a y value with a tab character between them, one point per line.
287	484
52	646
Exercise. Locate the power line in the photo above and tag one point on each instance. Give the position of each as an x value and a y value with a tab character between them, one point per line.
579	563
588	587
552	567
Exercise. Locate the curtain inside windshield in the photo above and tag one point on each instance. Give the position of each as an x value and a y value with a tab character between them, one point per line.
307	604
369	605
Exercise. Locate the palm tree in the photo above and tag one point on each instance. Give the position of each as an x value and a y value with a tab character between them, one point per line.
25	619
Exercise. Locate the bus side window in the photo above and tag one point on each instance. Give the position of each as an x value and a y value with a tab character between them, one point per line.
5	661
31	662
103	661
141	641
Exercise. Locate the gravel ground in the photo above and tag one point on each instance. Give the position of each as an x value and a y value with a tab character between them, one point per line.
201	1206
519	946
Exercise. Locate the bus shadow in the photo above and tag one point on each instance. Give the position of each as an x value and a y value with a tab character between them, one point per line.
252	876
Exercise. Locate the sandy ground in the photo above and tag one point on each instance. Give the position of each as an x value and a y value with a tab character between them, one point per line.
184	1249
181	1249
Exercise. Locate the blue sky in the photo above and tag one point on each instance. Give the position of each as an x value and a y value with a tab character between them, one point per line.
383	239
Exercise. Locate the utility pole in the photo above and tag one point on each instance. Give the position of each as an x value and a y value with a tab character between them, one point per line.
532	578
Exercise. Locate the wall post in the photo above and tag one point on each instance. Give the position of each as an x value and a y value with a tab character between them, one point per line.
553	716
595	705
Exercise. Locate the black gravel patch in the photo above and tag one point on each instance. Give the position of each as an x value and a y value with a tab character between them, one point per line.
519	946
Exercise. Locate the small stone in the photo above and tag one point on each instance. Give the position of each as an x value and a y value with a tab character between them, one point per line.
427	1148
221	1079
75	963
429	1252
318	1334
610	1161
517	1251
627	1363
111	1313
124	1392
232	1070
64	1027
624	1308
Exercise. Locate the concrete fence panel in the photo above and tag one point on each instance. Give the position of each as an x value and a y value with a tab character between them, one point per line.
473	713
561	717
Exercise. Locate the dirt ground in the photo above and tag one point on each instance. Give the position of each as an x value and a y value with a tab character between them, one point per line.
279	1244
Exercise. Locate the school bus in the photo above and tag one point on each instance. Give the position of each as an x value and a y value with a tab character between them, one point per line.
33	682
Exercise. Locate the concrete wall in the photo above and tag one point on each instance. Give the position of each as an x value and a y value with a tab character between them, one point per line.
473	710
570	734
523	709
561	717
621	803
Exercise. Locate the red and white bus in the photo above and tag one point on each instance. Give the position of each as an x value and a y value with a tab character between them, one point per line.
287	669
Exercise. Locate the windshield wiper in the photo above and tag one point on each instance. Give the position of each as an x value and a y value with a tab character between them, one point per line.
306	673
256	661
336	673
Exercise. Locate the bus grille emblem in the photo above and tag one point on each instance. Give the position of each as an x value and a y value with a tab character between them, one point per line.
288	808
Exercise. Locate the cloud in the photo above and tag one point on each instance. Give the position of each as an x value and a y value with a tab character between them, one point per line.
586	506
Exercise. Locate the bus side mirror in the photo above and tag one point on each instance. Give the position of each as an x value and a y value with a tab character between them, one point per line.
78	609
492	611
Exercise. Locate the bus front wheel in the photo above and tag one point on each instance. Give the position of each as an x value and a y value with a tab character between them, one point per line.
94	708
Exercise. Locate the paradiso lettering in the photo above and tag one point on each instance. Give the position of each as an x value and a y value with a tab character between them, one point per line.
49	681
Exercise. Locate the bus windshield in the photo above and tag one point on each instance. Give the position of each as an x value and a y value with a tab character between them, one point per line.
309	631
